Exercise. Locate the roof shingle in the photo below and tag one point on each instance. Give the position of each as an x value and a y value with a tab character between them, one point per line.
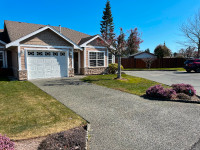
17	30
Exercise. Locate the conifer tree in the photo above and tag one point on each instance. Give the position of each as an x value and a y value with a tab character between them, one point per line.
107	26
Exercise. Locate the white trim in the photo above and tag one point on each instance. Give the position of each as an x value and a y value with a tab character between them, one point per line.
89	59
72	58
17	42
79	62
39	49
68	63
2	42
107	58
84	56
97	36
45	46
96	46
19	59
113	59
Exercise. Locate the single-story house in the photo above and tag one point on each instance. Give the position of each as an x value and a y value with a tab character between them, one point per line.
141	55
36	51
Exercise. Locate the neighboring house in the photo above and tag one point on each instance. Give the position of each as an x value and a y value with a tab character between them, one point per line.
142	55
35	51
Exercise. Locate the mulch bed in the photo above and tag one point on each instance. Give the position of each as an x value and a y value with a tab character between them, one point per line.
73	139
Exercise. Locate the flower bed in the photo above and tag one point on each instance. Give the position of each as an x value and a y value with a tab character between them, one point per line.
178	92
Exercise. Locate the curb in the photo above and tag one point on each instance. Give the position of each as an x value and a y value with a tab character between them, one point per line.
150	70
87	136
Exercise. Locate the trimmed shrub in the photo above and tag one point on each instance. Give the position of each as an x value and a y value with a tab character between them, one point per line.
184	88
158	91
74	139
183	96
112	68
6	143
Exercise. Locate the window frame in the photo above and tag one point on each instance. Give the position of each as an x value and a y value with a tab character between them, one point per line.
3	59
96	59
111	58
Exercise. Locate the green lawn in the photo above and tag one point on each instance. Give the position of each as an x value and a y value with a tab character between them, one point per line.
130	84
27	112
177	69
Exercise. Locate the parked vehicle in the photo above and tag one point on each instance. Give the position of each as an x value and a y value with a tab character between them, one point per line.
192	64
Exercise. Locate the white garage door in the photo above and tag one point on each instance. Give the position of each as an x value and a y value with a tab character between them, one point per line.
46	64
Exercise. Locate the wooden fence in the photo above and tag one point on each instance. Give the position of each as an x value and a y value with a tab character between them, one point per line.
158	63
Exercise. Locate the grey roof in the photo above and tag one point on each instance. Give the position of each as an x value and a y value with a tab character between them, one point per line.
83	40
17	30
141	53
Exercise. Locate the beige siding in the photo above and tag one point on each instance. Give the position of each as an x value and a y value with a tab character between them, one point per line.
95	49
82	59
46	37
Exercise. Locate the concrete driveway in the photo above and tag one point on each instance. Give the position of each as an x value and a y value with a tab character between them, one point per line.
122	121
170	77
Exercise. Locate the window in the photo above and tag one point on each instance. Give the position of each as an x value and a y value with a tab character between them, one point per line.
55	53
31	53
96	59
39	54
110	58
1	59
47	53
62	53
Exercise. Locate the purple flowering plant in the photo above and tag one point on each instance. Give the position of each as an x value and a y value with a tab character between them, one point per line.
184	88
158	91
6	143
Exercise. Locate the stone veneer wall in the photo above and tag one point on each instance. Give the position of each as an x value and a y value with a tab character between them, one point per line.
71	72
22	75
90	71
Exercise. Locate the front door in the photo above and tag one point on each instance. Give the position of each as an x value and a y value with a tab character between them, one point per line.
76	63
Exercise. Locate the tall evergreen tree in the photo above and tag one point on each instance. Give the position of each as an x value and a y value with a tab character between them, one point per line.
107	26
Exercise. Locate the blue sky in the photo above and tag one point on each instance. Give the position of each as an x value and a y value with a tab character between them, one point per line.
157	20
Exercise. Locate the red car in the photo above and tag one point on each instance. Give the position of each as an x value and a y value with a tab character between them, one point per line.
192	64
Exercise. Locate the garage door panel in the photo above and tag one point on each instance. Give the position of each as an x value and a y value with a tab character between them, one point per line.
46	66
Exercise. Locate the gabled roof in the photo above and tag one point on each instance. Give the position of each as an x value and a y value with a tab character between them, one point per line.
139	53
17	30
83	44
16	42
83	40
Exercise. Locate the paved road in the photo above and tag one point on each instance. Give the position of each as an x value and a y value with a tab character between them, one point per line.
122	121
170	77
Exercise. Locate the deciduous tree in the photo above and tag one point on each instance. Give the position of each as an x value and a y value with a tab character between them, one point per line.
119	46
133	42
191	32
